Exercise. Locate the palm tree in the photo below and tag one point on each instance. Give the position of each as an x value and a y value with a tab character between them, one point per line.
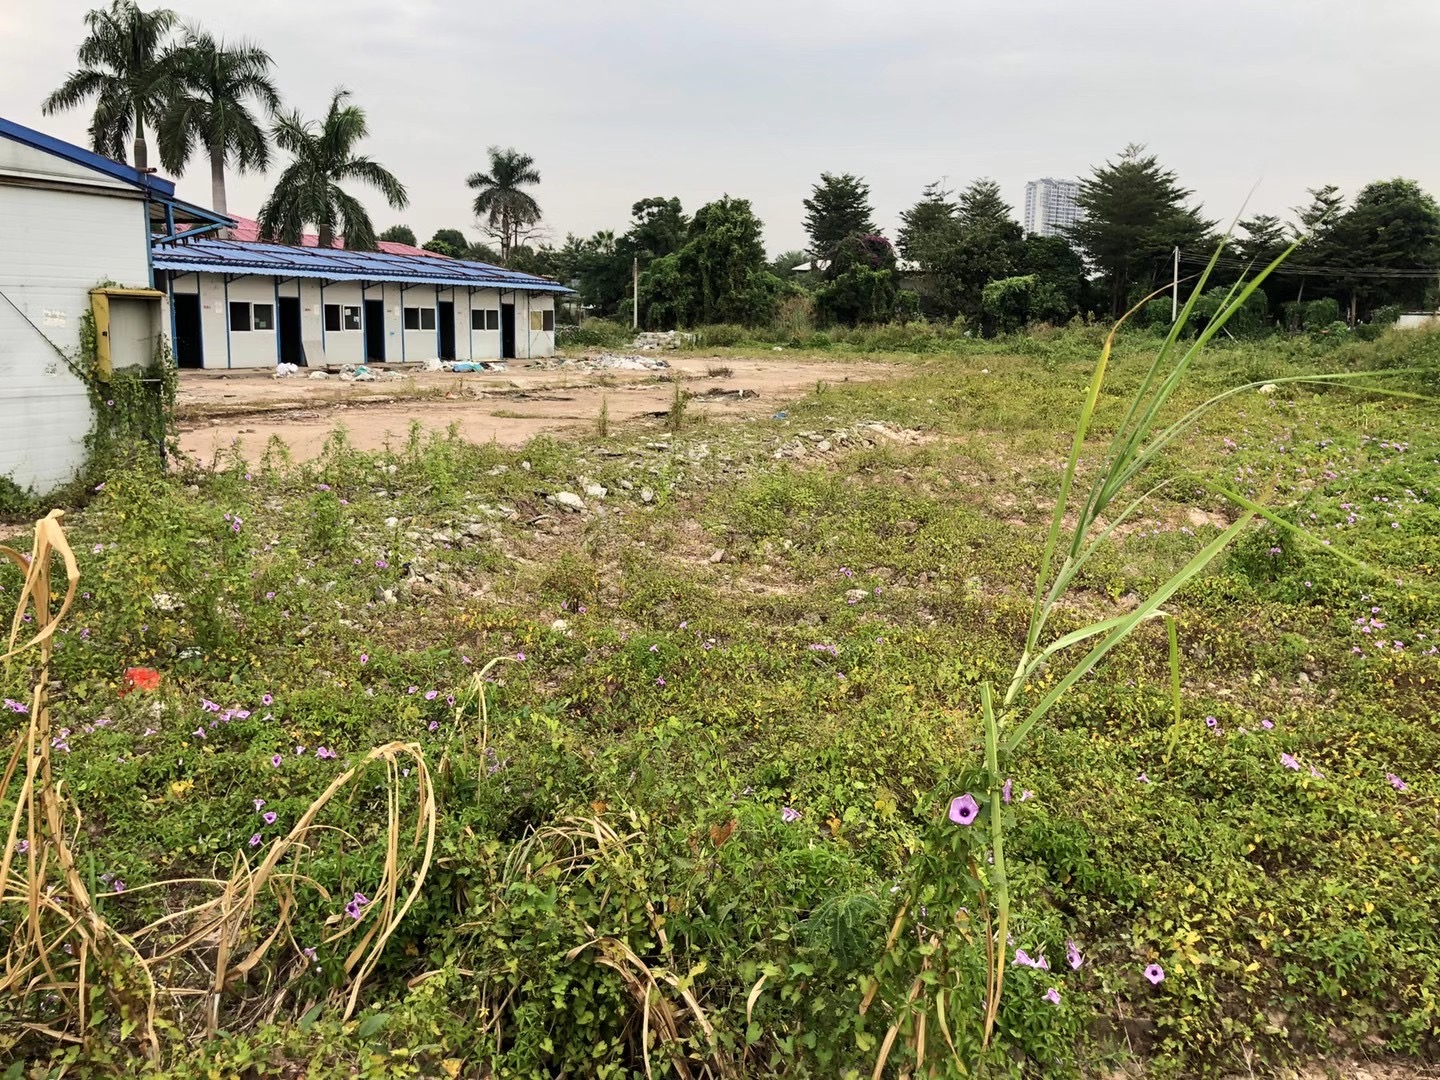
501	202
125	68
207	107
309	192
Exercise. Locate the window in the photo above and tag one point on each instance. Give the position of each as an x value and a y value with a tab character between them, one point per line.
536	322
351	317
548	323
239	315
485	319
477	319
419	318
264	316
492	319
332	318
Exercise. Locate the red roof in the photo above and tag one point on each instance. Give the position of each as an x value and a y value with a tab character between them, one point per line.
248	230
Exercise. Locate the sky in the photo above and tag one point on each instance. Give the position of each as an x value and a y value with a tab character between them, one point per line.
624	99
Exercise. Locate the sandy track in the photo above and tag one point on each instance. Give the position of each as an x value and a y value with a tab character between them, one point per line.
217	411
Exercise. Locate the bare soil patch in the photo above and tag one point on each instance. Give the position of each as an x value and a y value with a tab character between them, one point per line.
245	409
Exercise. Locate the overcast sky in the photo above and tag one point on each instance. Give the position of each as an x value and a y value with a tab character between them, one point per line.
623	99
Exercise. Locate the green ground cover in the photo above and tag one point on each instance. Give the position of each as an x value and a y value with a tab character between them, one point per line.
741	690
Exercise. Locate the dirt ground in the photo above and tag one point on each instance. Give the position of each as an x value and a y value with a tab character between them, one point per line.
245	408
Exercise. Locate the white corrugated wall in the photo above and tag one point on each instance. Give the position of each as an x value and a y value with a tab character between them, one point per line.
55	246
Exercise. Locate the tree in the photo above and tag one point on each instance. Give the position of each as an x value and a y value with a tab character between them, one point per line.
1136	213
399	234
448	242
1060	279
719	275
124	67
657	228
928	224
991	242
208	106
506	209
1326	206
309	191
839	206
1394	225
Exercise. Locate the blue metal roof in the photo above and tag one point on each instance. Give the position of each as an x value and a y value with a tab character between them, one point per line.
208	256
149	182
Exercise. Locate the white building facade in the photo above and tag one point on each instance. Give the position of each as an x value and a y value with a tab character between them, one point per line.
75	233
1051	206
252	305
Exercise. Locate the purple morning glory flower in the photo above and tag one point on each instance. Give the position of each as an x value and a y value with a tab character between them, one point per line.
789	815
1006	789
1022	959
1288	760
1072	954
1156	974
1053	996
520	656
964	809
660	681
1143	778
364	658
255	840
259	805
431	695
1267	724
324	753
275	761
1211	722
412	690
266	699
269	817
1396	782
1026	794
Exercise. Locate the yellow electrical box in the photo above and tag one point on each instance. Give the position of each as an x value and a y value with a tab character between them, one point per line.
128	327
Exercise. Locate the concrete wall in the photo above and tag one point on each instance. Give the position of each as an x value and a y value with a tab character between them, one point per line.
55	246
257	348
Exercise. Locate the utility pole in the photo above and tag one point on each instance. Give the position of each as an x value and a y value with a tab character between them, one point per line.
635	290
1175	289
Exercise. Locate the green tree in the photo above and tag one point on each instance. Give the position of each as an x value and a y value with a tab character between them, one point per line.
990	242
448	242
719	275
1394	225
124	66
1136	214
657	228
507	209
1060	278
929	223
1325	208
309	192
400	234
839	206
208	106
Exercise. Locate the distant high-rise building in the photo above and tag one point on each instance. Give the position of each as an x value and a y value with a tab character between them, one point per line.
1050	205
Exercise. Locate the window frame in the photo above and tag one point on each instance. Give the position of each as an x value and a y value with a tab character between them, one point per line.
346	311
547	321
405	318
432	316
255	310
233	322
325	317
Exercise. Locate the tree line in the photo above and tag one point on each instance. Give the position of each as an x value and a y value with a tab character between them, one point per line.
957	256
199	94
964	256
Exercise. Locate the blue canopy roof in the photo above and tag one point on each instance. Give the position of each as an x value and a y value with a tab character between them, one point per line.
339	264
